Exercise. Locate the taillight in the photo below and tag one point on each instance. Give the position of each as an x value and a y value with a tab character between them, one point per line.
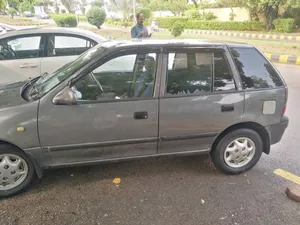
284	109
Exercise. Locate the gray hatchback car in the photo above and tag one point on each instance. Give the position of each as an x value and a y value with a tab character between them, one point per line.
143	98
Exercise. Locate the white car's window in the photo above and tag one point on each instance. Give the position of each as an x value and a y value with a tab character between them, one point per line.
25	43
60	45
20	48
70	42
121	64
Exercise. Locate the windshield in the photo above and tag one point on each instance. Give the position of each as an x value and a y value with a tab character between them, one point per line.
49	81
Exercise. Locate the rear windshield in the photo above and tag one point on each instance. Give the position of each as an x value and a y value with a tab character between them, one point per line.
255	71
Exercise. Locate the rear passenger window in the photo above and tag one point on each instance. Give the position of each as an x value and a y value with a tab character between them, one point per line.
255	71
59	45
223	79
191	74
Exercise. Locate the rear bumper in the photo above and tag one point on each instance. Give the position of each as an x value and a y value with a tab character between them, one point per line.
276	131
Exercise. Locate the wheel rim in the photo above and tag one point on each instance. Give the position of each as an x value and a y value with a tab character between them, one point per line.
13	171
239	152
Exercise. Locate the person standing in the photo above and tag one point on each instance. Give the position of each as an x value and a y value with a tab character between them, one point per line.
139	30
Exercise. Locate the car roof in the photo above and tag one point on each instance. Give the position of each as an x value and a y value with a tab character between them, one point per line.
171	43
74	31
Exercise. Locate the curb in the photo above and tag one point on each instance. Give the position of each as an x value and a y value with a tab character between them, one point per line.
243	35
288	59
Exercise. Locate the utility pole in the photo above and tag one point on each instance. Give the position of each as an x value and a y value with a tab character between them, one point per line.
133	2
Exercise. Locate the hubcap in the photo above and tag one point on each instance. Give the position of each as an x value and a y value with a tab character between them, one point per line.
239	152
13	171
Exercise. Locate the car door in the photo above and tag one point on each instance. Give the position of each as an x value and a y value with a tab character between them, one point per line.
199	99
20	57
62	49
116	115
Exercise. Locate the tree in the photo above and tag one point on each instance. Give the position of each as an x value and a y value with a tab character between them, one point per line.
231	4
70	5
177	7
123	6
146	12
44	3
12	12
177	29
26	5
195	3
2	4
97	3
13	3
96	16
83	4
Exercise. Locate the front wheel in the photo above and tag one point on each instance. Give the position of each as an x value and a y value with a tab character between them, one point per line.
238	151
16	171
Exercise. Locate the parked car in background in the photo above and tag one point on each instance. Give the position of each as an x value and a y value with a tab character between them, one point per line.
32	52
136	99
43	16
27	14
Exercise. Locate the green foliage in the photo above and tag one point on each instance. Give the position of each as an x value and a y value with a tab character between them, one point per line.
218	25
207	16
25	6
177	28
177	7
293	13
109	21
96	16
65	20
115	23
167	22
97	3
70	5
192	14
82	18
232	15
125	7
146	12
13	3
12	12
2	4
125	24
284	25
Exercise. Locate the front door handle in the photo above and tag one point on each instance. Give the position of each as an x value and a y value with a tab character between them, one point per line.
28	66
140	115
227	108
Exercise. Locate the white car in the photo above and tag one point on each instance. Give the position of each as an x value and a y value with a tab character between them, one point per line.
4	28
32	52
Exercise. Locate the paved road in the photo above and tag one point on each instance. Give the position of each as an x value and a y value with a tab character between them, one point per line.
168	190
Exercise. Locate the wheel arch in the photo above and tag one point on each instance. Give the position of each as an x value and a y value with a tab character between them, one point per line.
261	130
38	169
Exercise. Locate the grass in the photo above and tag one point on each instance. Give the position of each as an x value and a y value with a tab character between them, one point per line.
273	47
19	21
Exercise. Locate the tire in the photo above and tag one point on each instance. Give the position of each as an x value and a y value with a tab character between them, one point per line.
26	165
231	141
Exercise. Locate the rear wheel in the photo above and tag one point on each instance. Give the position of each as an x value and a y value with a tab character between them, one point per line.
238	151
16	171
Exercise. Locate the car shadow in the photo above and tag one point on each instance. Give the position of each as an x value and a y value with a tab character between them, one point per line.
191	165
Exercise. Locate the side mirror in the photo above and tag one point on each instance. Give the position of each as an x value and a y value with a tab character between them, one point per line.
65	97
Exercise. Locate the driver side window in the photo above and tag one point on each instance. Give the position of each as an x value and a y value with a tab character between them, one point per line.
23	47
124	77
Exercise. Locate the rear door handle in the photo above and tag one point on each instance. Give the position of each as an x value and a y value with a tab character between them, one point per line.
140	115
227	108
28	66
